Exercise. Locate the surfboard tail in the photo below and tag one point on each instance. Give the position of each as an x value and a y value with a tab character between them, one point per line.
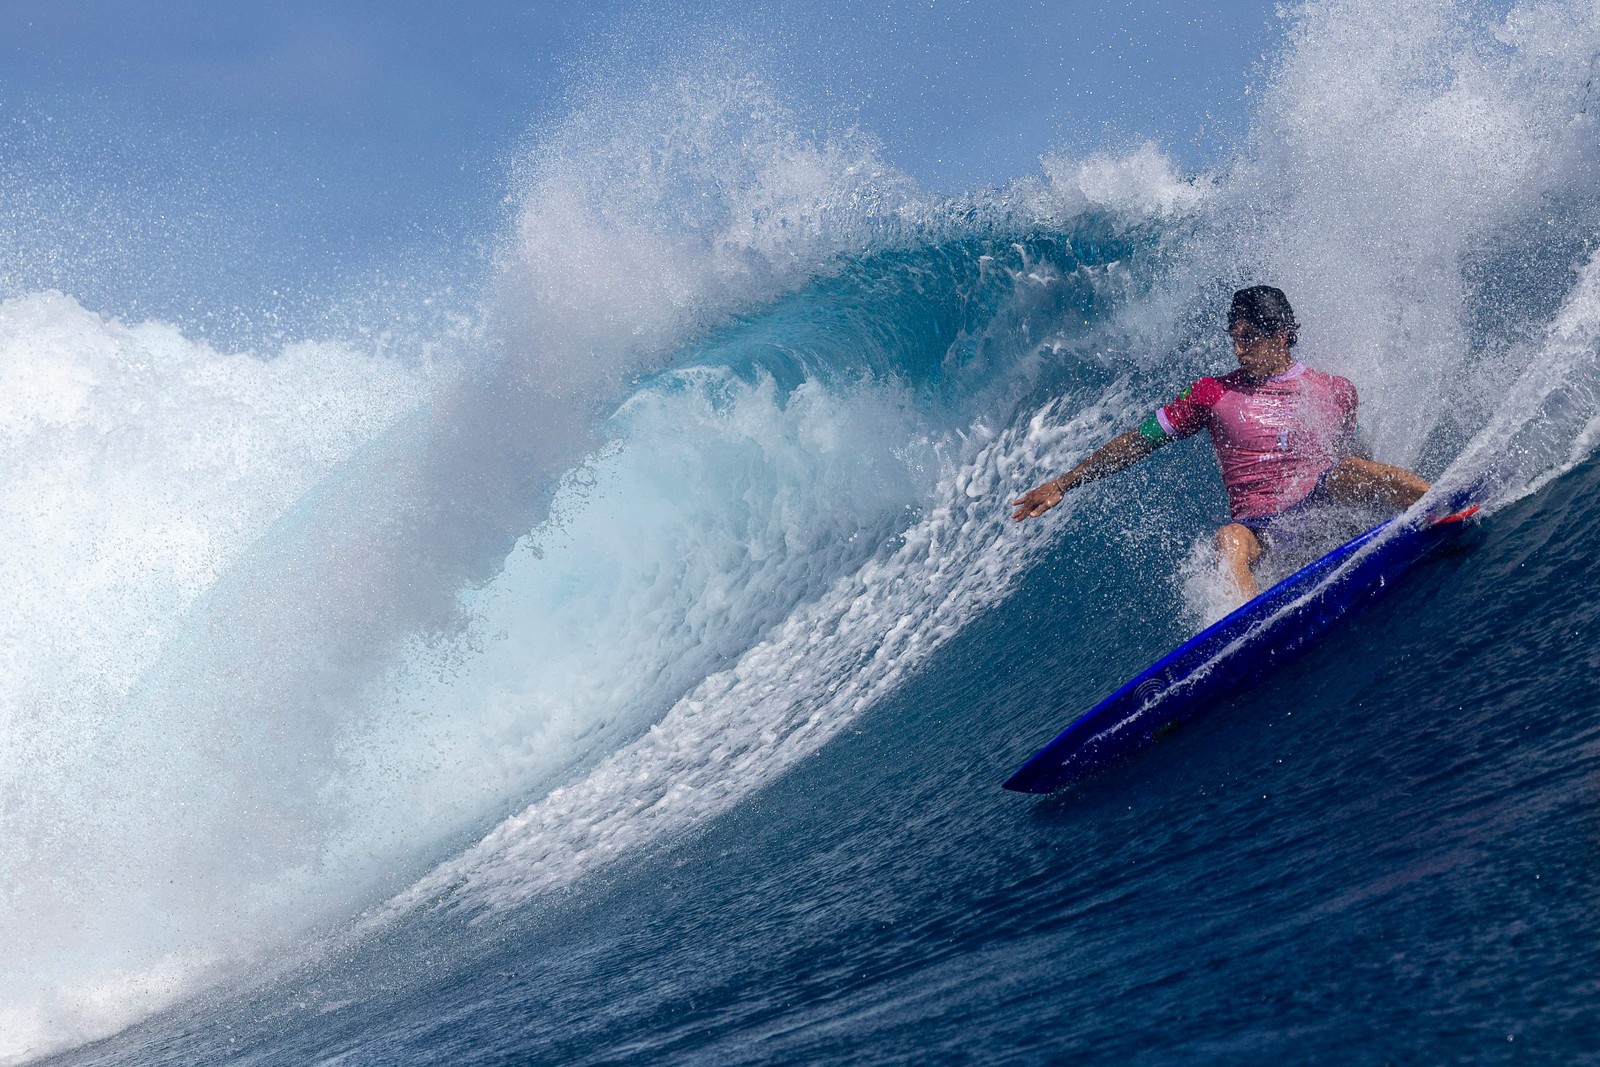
1458	516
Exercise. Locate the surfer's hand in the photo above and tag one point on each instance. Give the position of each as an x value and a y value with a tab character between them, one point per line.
1037	501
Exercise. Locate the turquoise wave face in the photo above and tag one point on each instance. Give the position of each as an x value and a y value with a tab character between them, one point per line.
947	320
351	616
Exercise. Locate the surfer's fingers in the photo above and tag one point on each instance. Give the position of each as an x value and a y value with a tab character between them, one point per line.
1032	503
1032	496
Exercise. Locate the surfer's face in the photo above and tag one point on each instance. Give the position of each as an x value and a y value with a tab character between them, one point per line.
1260	355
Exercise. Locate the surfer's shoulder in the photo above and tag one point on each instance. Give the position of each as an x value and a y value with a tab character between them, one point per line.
1200	393
1232	382
1324	377
1335	384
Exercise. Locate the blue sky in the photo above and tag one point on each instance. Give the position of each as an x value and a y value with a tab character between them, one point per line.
186	154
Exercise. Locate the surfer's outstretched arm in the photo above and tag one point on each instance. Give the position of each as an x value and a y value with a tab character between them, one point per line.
1121	451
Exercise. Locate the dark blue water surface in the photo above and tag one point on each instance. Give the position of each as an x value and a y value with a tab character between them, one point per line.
1387	854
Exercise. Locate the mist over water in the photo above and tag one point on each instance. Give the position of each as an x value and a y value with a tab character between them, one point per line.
315	643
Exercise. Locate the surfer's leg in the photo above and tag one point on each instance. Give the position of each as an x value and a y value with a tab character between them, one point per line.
1240	549
1364	481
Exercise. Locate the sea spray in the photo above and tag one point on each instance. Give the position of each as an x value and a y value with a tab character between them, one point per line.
406	647
188	813
140	467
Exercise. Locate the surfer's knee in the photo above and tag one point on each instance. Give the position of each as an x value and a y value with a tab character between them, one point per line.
1365	481
1237	542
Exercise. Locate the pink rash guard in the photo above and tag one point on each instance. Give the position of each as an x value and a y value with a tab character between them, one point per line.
1274	439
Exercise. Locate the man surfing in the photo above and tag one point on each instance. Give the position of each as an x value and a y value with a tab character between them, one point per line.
1284	436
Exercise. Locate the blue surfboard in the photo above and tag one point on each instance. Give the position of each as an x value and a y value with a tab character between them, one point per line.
1260	637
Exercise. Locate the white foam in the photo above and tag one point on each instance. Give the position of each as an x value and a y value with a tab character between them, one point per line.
1549	420
642	220
139	466
815	673
1137	186
94	1004
724	505
1209	591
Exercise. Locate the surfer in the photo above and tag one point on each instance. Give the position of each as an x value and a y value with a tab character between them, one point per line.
1284	436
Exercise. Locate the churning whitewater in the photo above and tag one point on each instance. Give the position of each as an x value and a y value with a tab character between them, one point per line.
628	671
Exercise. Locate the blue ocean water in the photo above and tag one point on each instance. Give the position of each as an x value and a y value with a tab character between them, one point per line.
626	672
1385	855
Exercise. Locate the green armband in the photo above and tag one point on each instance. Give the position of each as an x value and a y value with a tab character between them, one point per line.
1150	429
